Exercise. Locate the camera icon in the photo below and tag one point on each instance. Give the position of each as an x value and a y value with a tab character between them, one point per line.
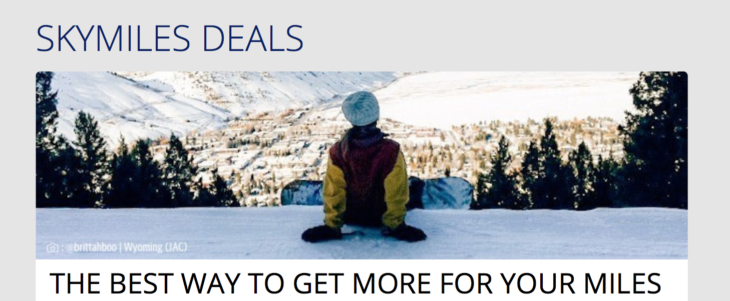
52	248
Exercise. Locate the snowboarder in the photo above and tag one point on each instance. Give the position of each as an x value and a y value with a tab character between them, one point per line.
366	182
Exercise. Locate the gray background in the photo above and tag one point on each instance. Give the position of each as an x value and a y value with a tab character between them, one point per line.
381	35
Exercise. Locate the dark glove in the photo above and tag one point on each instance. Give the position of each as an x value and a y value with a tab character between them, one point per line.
321	233
406	233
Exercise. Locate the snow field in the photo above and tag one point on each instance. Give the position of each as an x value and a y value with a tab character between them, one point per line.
275	233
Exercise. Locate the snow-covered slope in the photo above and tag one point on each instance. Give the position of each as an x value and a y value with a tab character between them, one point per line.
247	91
275	232
442	99
124	107
153	104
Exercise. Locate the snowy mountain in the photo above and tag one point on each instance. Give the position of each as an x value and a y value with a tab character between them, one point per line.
125	107
154	104
247	91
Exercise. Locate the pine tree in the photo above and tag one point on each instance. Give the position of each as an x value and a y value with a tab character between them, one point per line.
149	189
604	184
546	196
93	171
45	116
68	182
122	186
217	194
566	182
53	153
503	191
223	193
204	196
655	142
530	171
553	184
46	112
581	163
178	174
481	202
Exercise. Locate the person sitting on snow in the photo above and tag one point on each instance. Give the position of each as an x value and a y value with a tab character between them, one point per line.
366	182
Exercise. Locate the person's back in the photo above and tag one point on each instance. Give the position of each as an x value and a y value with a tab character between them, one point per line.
366	158
366	181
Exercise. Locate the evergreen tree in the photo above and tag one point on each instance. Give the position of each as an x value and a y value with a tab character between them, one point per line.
476	203
205	195
123	192
554	181
67	181
604	184
655	142
565	184
46	112
530	171
53	152
546	196
581	163
481	202
45	119
503	191
93	169
217	194
223	193
149	189
178	174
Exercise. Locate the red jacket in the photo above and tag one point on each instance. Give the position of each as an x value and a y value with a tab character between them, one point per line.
366	182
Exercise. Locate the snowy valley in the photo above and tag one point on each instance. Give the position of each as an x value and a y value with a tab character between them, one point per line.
262	130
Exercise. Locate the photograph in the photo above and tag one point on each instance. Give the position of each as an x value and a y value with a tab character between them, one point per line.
361	165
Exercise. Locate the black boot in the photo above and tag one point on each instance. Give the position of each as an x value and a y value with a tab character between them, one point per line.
321	233
406	233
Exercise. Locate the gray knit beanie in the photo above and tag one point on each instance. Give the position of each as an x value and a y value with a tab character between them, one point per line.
361	108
